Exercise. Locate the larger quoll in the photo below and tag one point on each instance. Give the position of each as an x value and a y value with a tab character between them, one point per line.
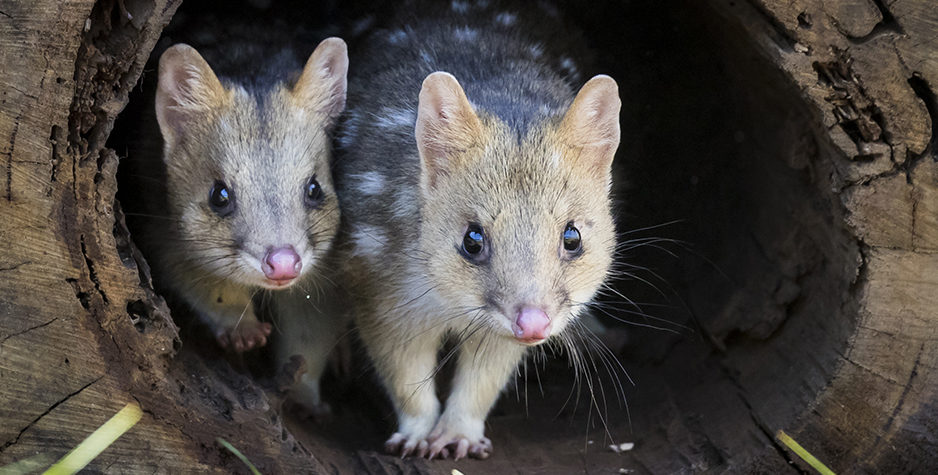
477	209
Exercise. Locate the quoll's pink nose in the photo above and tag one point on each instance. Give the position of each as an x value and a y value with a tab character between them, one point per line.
531	325
282	264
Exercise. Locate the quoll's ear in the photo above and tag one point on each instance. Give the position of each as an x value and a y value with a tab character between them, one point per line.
323	84
592	123
446	125
187	88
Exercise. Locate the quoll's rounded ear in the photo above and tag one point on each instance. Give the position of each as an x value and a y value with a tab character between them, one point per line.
187	88
446	125
592	122
323	84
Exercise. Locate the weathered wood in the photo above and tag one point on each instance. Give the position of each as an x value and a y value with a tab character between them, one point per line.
871	76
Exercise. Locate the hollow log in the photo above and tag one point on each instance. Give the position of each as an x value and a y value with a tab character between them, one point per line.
869	71
828	329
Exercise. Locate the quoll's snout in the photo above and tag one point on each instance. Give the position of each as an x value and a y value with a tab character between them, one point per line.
532	325
282	264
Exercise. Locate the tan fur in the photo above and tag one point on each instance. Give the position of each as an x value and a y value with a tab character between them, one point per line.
591	127
523	192
442	141
188	87
323	82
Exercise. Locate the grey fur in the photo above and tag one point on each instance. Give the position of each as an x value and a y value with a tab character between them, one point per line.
520	161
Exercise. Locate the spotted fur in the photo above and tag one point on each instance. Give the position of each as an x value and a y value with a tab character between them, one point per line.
498	140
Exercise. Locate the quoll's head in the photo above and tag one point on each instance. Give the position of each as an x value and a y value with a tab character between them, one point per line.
520	228
247	171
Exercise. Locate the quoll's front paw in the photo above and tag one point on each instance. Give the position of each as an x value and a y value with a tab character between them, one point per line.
406	444
244	336
411	435
445	441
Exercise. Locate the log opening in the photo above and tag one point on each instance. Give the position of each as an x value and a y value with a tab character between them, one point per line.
801	187
718	143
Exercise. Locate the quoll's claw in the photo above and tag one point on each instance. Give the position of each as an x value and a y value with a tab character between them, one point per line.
482	450
422	449
437	452
461	447
408	449
400	444
394	444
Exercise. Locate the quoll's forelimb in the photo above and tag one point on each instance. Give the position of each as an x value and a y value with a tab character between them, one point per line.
482	370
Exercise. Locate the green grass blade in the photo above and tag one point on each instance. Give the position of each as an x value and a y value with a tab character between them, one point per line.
224	443
99	440
804	454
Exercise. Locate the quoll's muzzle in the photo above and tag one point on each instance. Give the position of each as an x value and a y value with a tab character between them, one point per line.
531	325
282	265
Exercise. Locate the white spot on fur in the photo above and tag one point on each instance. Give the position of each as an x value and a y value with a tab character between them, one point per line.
506	18
369	183
464	33
362	25
536	51
545	109
349	131
568	65
369	241
390	118
425	56
460	6
397	37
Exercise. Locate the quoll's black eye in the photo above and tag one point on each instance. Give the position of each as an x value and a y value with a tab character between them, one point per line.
473	243
312	192
571	239
221	198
